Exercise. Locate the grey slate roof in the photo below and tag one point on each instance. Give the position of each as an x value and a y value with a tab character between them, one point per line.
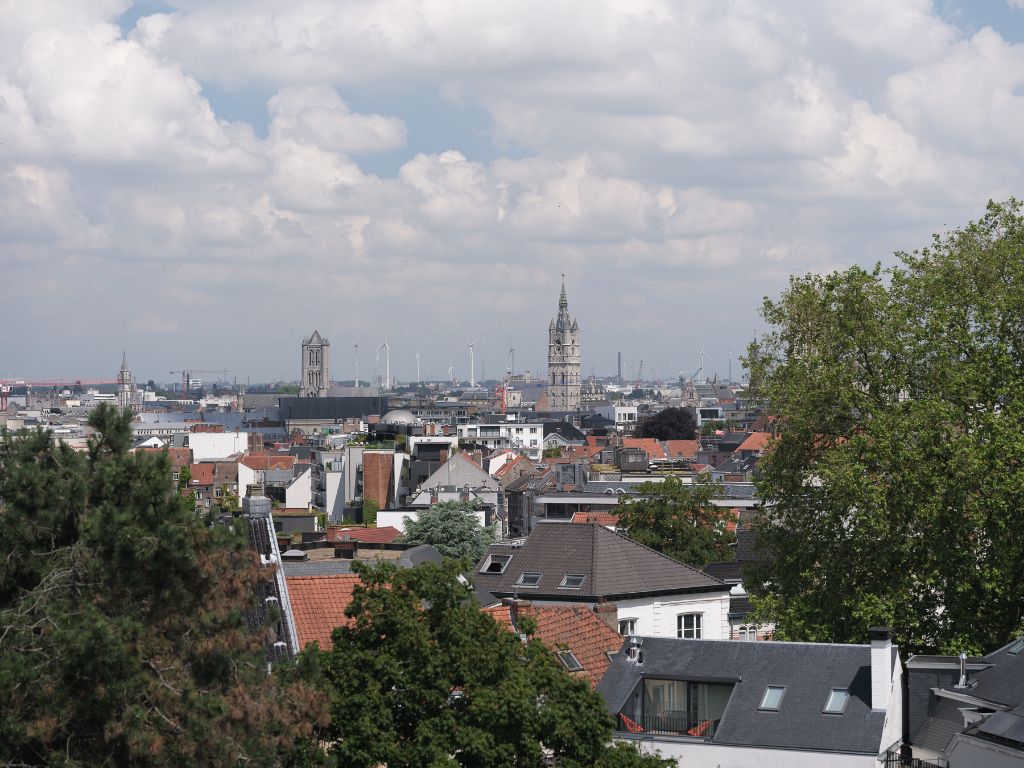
943	722
807	670
460	471
614	566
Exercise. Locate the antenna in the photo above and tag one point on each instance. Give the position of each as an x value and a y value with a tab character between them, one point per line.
472	361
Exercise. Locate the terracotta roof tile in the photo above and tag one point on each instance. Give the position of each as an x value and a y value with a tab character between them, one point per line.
202	474
649	445
383	535
318	605
682	449
265	461
607	519
574	627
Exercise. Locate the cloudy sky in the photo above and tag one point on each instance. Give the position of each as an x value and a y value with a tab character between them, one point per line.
203	182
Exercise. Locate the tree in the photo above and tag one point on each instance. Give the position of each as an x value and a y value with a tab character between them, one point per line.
370	510
893	492
679	521
554	452
669	424
422	677
453	528
124	634
709	428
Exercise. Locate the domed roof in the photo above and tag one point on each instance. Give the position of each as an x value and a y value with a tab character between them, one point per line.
398	417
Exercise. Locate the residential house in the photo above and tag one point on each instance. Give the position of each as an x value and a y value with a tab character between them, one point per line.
211	480
719	704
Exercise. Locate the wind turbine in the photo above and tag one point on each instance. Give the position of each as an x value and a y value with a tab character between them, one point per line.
451	371
355	355
472	369
417	366
387	362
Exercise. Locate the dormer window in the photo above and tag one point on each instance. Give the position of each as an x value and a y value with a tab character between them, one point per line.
528	579
836	703
772	698
568	658
495	564
572	581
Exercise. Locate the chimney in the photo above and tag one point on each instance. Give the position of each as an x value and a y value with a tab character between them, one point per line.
963	671
514	604
609	613
881	667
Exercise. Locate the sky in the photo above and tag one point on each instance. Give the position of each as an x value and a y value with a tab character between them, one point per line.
202	183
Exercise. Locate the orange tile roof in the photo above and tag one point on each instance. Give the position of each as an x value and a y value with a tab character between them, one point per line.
505	468
202	474
607	519
756	441
266	461
318	605
383	535
649	445
574	627
682	449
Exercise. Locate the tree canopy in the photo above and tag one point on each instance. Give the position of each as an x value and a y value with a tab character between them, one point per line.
124	639
453	528
669	424
423	677
680	521
893	492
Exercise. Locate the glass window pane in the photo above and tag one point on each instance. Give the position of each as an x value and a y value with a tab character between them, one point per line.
772	697
837	698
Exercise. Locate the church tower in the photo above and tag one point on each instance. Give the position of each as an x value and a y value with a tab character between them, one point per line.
316	377
563	359
125	385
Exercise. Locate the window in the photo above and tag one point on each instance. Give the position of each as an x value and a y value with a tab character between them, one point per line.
747	632
570	661
837	699
689	625
627	626
495	563
527	579
573	581
772	698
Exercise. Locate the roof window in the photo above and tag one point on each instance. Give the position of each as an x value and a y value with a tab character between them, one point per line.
837	699
527	579
568	658
495	564
572	581
772	698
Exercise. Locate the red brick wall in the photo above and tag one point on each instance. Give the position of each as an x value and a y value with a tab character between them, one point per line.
377	470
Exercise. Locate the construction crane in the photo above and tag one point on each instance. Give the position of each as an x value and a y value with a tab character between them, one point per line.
639	375
186	377
6	385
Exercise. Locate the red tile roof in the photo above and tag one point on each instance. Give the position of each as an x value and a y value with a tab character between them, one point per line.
756	441
505	468
649	445
318	605
682	449
607	519
574	627
384	535
267	461
202	474
179	456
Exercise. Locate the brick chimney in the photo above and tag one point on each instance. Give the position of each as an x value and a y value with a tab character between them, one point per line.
609	613
881	667
513	606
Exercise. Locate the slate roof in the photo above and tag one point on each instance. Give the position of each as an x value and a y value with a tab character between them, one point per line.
614	566
573	627
565	429
1003	682
460	470
725	571
943	722
807	670
318	605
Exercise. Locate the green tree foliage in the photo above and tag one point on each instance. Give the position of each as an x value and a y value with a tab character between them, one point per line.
451	527
893	492
680	521
554	452
424	678
370	510
709	428
123	635
669	424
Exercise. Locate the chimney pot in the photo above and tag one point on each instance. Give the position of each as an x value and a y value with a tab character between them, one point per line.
609	613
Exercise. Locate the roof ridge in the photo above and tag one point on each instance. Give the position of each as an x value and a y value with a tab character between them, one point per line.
661	554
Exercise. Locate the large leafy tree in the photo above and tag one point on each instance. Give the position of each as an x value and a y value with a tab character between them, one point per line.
123	637
893	493
669	424
451	527
422	677
679	520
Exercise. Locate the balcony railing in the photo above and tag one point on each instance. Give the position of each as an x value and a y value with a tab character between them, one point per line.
669	724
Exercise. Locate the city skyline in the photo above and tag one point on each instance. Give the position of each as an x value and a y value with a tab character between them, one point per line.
201	185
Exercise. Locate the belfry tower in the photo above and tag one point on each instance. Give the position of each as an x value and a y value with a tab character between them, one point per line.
125	385
563	359
316	376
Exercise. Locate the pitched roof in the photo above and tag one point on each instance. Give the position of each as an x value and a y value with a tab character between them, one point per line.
178	457
202	474
573	627
807	671
460	470
613	565
649	445
756	441
518	461
318	605
383	535
266	461
682	449
607	519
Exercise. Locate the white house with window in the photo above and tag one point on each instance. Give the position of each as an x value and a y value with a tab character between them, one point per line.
523	437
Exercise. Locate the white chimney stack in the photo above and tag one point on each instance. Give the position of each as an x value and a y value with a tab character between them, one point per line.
881	667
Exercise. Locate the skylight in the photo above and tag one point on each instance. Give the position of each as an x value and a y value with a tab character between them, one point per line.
495	563
837	699
568	658
528	579
573	581
772	697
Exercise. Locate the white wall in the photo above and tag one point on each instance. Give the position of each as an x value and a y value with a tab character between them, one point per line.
246	477
396	518
299	495
213	445
701	754
656	616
